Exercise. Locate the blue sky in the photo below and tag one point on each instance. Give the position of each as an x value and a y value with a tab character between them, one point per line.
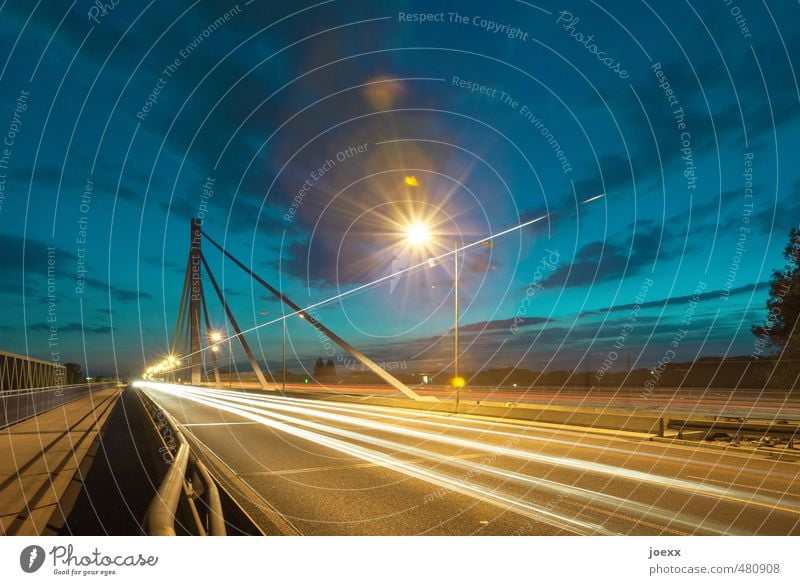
262	99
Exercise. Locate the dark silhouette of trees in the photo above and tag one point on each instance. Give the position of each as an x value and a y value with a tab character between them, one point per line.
74	373
780	329
783	305
319	368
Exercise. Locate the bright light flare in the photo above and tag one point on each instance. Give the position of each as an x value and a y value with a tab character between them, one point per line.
411	181
418	233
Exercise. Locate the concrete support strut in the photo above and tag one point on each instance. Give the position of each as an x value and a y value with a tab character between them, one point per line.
245	346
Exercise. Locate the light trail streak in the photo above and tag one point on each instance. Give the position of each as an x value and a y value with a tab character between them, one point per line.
390	413
583	465
323	410
447	482
595	198
668	518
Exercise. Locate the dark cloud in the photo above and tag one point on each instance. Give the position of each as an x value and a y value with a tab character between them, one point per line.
72	328
713	294
503	324
30	257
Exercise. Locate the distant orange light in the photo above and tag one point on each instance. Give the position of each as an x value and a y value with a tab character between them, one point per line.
411	181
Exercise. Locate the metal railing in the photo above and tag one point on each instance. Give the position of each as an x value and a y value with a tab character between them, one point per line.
186	482
18	405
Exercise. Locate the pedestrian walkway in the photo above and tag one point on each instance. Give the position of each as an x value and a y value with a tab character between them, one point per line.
43	461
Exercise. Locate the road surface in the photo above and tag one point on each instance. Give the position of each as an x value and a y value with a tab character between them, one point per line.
335	468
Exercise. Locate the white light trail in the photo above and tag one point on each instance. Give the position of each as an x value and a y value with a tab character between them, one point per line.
450	483
595	198
265	407
648	511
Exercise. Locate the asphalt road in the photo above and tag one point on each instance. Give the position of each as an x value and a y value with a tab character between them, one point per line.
748	404
336	468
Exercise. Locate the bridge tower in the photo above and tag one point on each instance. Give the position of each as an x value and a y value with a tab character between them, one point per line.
194	302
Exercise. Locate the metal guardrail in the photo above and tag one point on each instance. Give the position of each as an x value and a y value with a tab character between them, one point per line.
186	473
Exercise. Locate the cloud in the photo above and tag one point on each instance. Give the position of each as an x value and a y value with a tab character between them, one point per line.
72	328
603	261
503	324
30	257
713	294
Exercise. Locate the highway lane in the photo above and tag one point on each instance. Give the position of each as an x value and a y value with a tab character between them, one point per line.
338	468
747	404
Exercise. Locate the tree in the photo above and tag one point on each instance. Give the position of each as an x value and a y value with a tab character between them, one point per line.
319	368
74	373
780	328
330	368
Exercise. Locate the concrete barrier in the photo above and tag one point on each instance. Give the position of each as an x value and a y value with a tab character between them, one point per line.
601	418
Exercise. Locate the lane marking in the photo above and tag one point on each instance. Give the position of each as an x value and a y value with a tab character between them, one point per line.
217	424
322	468
757	489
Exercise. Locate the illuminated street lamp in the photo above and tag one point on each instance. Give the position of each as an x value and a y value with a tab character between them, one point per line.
418	234
215	337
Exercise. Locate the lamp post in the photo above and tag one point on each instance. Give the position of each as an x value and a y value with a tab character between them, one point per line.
457	381
418	234
283	359
284	355
215	337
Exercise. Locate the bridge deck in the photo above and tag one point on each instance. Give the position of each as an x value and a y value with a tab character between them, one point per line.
43	460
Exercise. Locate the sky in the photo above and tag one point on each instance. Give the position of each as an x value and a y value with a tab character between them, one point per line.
657	142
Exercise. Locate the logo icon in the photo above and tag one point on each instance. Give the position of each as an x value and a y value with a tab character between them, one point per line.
31	558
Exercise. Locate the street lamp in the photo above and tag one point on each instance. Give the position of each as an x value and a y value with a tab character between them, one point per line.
215	337
283	375
418	234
